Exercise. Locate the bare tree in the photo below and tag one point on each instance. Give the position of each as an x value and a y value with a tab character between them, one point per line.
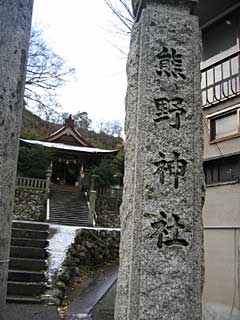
122	11
113	127
81	119
46	71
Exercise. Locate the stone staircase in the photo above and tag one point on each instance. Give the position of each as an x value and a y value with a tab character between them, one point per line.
68	206
28	254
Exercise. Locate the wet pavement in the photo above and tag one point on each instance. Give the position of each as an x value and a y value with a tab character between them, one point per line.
14	311
84	300
60	238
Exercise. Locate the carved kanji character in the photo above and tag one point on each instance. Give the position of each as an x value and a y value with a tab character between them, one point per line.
170	63
167	229
175	167
169	110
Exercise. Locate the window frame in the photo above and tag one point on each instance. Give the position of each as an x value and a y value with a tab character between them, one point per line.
212	118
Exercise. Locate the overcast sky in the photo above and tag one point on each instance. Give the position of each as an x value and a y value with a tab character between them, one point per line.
82	32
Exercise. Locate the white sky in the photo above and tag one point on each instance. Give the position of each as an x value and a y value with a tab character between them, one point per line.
80	31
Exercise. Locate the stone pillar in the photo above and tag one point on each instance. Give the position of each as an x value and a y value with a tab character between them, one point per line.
161	254
48	181
15	23
92	205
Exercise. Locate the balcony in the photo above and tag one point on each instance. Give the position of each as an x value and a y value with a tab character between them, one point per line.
221	80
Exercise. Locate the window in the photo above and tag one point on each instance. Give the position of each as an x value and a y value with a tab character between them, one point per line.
224	125
222	170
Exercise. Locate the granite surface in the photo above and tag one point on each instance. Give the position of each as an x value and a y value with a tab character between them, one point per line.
161	254
15	23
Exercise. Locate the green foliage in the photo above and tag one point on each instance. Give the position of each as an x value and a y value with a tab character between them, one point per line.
104	174
118	165
33	127
29	134
101	140
110	172
33	161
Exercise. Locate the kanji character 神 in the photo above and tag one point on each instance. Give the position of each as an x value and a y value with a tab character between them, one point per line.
175	167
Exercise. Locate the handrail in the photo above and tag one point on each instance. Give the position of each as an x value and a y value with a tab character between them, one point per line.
221	80
233	55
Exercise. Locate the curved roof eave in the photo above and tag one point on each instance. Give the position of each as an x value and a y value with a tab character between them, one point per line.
63	146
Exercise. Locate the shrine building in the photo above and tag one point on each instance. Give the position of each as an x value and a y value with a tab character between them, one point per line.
72	156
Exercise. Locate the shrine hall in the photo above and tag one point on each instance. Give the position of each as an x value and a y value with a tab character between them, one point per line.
73	156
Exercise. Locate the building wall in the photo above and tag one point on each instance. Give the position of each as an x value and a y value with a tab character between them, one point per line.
222	205
221	267
212	150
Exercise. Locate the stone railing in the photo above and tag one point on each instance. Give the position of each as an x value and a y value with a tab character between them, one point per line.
107	207
92	216
100	195
110	192
32	183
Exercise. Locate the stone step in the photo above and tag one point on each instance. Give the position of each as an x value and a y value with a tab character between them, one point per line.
64	188
29	234
26	276
68	209
63	198
23	299
30	225
28	252
67	223
67	194
75	216
69	218
29	243
26	288
27	264
67	198
69	212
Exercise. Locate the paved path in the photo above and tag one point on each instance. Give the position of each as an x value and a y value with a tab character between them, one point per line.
85	300
16	311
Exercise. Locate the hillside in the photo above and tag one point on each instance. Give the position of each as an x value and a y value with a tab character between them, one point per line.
33	127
